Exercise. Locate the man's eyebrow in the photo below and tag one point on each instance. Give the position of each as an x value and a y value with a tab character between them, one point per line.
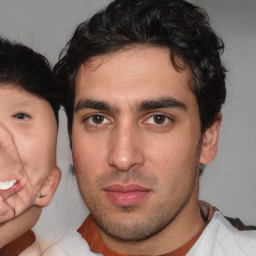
93	104
166	102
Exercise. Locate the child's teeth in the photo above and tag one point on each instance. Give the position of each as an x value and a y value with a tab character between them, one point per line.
7	184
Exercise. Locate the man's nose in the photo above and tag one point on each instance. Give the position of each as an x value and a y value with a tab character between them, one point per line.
125	148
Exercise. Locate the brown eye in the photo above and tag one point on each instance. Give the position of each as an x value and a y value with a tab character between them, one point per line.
159	119
97	119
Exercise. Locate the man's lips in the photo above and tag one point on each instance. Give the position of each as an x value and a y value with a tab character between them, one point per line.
126	195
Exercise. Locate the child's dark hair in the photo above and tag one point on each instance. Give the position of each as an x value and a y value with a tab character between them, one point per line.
22	67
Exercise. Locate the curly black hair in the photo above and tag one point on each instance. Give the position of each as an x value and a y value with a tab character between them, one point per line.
181	27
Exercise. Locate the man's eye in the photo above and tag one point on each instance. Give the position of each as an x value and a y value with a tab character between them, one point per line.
158	119
97	120
21	116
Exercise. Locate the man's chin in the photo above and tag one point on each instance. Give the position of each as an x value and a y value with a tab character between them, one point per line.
123	227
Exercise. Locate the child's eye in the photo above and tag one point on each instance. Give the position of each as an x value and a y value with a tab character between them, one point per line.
21	116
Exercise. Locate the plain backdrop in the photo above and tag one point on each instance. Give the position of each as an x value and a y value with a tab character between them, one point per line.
230	181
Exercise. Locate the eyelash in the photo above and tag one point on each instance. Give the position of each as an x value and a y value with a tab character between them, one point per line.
21	116
106	121
166	121
87	120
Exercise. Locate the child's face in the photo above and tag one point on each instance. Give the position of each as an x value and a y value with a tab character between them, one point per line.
28	134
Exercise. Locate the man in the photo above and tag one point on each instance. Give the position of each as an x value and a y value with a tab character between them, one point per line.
29	102
145	85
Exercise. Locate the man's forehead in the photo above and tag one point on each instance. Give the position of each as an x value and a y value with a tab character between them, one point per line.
148	76
128	54
129	51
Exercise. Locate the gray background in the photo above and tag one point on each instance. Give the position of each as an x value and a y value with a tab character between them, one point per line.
229	182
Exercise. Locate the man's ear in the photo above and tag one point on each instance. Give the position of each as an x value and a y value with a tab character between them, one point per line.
49	188
210	142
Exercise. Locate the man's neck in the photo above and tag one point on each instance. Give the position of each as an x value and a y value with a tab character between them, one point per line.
181	230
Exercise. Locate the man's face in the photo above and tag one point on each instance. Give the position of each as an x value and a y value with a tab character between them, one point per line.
28	132
136	141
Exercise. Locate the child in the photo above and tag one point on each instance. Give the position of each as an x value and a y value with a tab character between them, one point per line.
29	102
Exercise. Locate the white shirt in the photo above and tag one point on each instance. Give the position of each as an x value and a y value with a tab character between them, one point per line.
220	238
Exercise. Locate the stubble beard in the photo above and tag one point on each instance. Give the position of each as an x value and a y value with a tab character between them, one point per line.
129	229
